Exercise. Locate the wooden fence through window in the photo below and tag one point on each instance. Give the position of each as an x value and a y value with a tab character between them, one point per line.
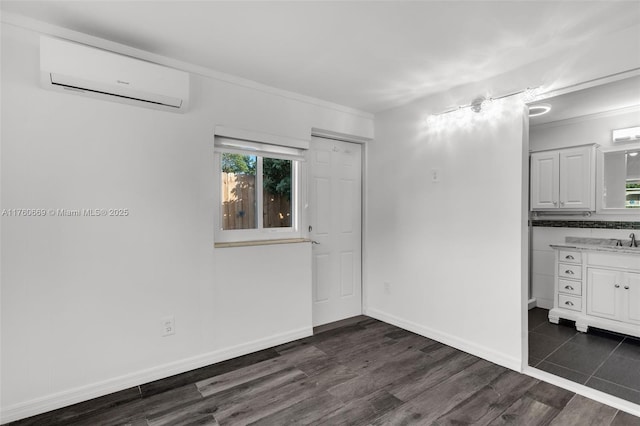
239	204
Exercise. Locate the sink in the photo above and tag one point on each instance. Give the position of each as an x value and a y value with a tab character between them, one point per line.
625	246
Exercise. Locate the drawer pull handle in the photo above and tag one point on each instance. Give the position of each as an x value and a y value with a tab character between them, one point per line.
568	302
569	272
568	287
626	287
617	286
569	257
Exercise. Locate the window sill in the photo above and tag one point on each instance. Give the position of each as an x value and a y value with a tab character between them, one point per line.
261	242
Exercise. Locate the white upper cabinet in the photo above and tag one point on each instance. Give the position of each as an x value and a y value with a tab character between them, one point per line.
544	180
563	179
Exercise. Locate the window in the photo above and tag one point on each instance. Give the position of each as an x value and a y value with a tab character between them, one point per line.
258	186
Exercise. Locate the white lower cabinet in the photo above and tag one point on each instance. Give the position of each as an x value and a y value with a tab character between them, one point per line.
598	290
602	293
632	299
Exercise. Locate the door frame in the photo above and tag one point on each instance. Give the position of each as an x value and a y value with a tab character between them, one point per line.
362	141
583	390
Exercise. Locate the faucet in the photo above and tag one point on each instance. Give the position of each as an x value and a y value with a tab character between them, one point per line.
634	243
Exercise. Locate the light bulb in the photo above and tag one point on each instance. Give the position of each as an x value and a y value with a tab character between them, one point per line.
531	94
487	104
460	113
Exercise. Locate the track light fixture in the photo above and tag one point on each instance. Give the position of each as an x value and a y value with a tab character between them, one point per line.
483	104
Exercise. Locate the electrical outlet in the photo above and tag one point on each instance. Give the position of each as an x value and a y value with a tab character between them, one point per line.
435	175
168	325
387	287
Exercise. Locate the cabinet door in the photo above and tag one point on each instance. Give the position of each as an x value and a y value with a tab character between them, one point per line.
544	180
631	299
601	292
577	188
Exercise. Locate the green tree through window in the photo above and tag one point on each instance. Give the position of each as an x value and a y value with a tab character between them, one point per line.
277	177
238	163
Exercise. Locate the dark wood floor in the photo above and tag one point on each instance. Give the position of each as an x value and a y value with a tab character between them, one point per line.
367	373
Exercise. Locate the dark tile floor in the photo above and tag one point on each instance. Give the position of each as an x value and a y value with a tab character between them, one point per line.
599	359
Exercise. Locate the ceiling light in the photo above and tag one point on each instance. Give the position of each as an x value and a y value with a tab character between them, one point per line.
476	104
633	154
536	110
624	135
482	103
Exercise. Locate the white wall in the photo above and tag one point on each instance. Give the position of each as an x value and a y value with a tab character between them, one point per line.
454	251
82	297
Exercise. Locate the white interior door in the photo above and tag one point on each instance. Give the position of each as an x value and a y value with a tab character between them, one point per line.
335	203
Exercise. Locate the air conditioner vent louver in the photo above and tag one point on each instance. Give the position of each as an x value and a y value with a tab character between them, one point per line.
98	73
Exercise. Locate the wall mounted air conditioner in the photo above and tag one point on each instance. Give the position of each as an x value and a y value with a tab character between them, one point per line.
77	68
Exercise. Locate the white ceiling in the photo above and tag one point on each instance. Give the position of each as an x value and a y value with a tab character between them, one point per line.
612	96
370	55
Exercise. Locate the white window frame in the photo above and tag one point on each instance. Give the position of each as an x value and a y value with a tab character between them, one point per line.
260	150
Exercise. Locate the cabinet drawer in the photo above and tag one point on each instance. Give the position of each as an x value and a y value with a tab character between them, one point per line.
569	302
570	287
570	271
568	256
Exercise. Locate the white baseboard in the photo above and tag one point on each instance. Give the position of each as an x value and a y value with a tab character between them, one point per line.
448	339
94	390
531	303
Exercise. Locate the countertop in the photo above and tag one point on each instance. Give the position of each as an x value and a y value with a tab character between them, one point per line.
597	244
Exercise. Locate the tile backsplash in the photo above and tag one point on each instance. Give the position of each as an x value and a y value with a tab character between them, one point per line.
590	224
